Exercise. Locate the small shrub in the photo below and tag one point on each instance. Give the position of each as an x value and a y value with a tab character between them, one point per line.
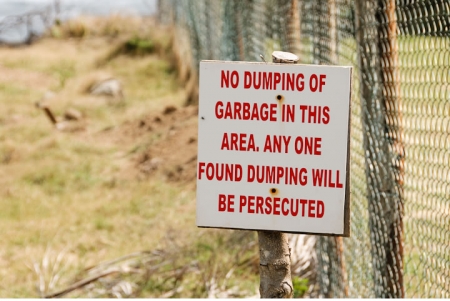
300	286
64	70
139	46
75	29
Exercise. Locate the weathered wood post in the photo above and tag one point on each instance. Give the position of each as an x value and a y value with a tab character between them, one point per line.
274	251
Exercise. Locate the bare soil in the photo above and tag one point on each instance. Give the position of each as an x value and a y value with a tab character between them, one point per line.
172	150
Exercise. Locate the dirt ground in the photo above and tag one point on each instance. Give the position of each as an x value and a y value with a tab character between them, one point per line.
172	151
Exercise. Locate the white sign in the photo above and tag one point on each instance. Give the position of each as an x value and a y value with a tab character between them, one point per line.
273	145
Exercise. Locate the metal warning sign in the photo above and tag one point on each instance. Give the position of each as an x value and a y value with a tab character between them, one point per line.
273	147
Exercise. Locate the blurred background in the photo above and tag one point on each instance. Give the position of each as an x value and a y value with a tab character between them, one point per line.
98	146
41	13
97	160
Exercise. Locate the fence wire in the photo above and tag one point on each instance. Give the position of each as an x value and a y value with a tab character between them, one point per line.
400	137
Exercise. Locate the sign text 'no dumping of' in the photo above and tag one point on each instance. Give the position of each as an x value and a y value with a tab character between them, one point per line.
273	147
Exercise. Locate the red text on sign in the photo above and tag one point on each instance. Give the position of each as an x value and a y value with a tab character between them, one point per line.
227	79
325	178
220	171
226	202
276	144
317	82
274	81
277	175
239	142
315	114
308	145
281	206
246	111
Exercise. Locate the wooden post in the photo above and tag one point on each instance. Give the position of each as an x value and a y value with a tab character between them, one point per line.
332	25
294	28
274	251
47	112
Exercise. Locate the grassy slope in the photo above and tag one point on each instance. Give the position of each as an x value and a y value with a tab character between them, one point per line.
75	194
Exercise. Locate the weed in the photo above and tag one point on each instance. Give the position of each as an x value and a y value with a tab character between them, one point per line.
300	286
103	224
64	70
139	46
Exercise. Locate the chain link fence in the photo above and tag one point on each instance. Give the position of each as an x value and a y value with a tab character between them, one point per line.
400	137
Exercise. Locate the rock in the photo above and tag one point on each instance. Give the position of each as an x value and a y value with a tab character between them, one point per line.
109	87
151	165
169	109
48	95
73	114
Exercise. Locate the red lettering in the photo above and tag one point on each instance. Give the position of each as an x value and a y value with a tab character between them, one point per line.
276	80
338	184
273	112
242	142
210	171
267	80
273	205
330	179
326	115
257	85
219	110
251	204
225	79
201	169
276	206
322	78
283	208
317	146
259	204
303	202
234	140
250	173
313	83
290	81
320	209
268	209
308	145
317	175
225	145
303	109
246	111
228	112
237	110
311	208
300	84
234	79
222	204
247	80
242	202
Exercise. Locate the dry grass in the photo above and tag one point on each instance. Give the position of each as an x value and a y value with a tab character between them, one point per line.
73	199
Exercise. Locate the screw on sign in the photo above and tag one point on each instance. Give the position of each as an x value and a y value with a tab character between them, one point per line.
273	153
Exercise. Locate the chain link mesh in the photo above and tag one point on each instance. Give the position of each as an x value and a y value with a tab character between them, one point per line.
400	119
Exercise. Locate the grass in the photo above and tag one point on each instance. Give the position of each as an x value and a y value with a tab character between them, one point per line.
71	200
